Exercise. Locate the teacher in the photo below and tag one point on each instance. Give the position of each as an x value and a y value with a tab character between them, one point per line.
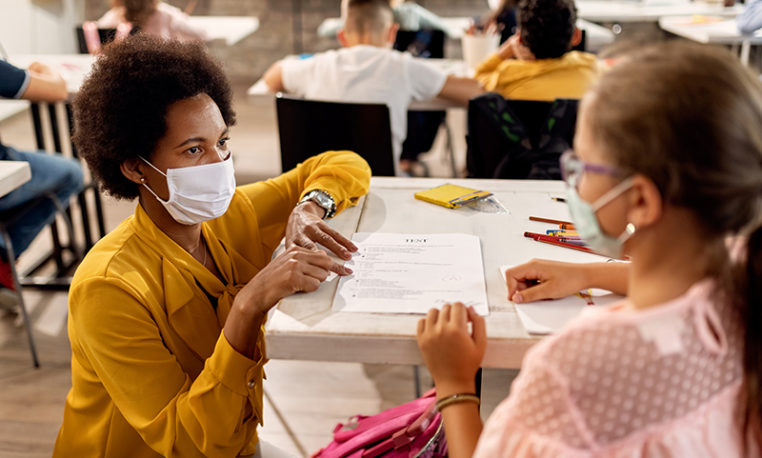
166	313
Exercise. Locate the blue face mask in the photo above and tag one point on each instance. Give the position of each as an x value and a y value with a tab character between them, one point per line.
583	216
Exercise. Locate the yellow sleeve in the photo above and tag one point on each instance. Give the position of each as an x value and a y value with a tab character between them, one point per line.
215	414
343	174
488	65
488	73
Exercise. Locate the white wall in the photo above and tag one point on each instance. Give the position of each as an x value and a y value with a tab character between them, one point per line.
40	26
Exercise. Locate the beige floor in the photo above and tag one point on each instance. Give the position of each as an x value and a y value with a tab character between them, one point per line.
304	400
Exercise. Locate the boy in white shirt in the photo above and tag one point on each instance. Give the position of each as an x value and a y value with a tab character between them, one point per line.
367	70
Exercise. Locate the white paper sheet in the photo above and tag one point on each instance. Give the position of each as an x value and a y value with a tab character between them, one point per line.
549	316
411	273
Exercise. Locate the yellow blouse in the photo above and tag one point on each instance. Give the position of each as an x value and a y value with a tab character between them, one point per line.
568	76
152	373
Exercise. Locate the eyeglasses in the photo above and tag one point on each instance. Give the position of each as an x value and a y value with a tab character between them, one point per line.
572	168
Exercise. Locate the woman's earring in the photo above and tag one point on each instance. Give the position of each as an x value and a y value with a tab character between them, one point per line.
142	179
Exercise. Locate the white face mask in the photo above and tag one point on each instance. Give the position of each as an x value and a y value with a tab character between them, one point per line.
198	193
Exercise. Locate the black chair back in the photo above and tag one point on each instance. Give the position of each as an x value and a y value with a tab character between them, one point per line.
310	127
106	36
421	43
518	139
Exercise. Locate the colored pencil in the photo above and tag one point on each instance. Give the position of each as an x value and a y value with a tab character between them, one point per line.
557	238
558	199
548	220
554	241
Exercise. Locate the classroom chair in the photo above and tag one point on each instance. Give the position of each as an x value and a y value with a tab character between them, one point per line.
105	36
7	219
53	125
310	127
518	139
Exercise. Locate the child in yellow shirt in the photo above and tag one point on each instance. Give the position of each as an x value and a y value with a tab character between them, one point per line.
535	63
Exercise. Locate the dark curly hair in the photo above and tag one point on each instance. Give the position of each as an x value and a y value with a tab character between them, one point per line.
547	26
119	113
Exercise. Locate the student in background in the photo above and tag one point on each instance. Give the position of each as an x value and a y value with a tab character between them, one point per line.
166	312
535	63
408	15
366	70
50	173
504	17
152	17
674	369
750	20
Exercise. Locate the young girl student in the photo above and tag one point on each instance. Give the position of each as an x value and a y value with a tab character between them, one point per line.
667	169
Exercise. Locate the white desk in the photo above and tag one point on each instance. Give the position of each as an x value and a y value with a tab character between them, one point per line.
715	31
597	37
648	11
232	29
9	107
448	66
73	68
304	327
12	175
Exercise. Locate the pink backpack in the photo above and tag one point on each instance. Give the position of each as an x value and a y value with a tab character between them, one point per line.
413	429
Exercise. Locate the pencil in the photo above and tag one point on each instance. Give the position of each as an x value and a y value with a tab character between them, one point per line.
558	199
551	221
554	238
565	245
567	226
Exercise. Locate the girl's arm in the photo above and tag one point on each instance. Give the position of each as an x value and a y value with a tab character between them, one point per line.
542	279
453	355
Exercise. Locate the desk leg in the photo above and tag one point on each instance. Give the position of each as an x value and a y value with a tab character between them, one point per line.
745	48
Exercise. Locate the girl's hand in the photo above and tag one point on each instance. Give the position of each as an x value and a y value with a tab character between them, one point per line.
452	354
541	279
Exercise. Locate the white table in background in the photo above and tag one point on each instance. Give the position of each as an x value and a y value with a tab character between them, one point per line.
304	327
232	29
12	175
11	107
597	37
720	32
455	26
648	11
448	66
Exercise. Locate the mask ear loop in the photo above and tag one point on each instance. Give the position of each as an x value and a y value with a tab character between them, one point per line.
629	231
143	181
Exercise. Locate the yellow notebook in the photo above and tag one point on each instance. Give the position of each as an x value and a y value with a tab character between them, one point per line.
451	196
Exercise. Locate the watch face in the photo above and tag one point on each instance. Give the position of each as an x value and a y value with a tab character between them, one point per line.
324	200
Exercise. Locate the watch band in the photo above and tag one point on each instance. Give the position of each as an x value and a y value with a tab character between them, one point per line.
323	199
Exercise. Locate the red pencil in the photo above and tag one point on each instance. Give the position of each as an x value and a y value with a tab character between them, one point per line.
548	220
557	238
553	241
